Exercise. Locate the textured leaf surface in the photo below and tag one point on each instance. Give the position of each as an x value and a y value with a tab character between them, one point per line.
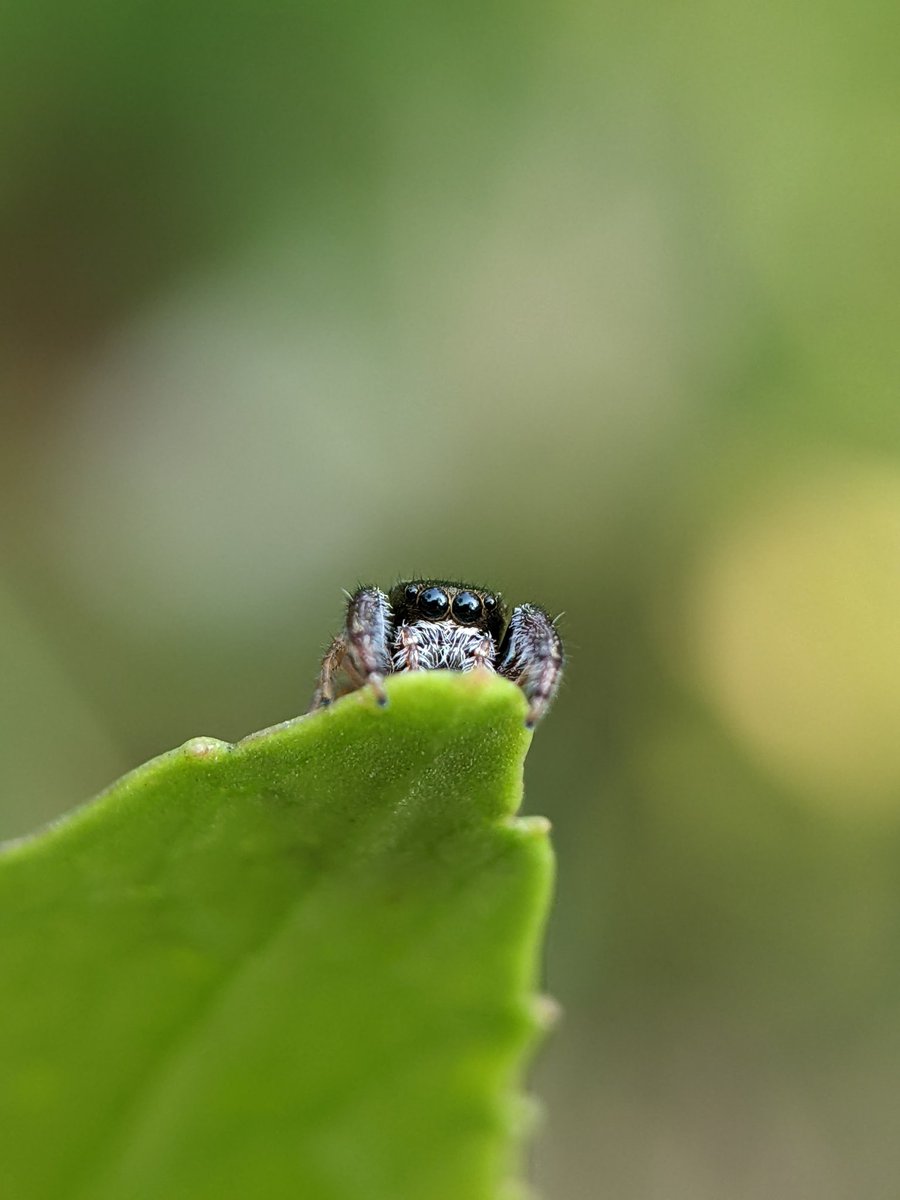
301	966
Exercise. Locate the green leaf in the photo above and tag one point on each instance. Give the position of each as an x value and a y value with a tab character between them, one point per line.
300	966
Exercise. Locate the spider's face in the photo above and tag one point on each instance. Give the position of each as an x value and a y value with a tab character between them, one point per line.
439	600
435	624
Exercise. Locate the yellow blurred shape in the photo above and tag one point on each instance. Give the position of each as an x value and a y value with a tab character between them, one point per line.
796	618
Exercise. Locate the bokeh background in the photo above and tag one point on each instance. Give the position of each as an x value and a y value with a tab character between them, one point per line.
595	303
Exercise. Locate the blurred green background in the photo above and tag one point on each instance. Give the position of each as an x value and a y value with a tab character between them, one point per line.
597	304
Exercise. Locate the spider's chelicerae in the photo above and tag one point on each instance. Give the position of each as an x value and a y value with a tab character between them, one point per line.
431	624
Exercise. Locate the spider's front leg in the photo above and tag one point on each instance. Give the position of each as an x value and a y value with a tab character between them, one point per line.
362	650
531	655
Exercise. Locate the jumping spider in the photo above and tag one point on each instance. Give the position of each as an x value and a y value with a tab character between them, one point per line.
431	624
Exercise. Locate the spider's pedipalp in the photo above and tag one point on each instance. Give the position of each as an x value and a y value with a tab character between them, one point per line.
483	653
406	656
531	655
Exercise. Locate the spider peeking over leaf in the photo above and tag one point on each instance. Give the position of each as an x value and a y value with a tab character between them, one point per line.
436	624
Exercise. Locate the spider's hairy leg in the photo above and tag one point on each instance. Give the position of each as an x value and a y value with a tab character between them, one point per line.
367	634
360	651
531	655
331	664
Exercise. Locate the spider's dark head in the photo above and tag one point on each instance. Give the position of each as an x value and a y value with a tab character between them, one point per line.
443	600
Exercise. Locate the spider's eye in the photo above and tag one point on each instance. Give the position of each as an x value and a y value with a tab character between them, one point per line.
434	603
490	603
411	592
466	607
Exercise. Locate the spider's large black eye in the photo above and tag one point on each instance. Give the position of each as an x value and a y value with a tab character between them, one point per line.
466	607
434	603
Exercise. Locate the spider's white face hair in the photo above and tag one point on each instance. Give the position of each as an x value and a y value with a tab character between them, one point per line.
441	645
